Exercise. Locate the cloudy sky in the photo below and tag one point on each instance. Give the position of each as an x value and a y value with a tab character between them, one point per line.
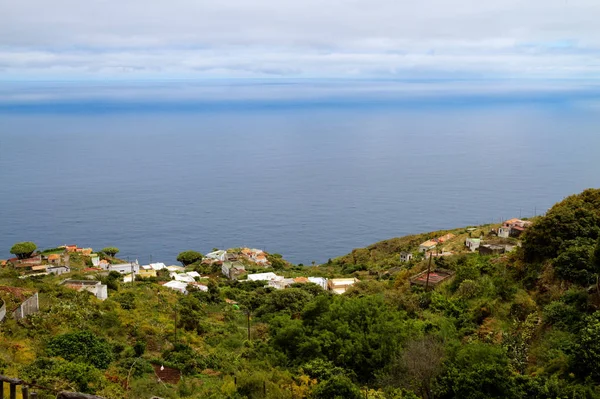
142	39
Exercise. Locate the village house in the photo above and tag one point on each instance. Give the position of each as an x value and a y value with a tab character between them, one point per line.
184	277
157	266
232	270
405	256
427	246
255	255
177	286
147	273
320	281
123	268
270	276
341	285
95	287
58	270
513	228
95	260
472	243
217	255
54	259
70	248
175	268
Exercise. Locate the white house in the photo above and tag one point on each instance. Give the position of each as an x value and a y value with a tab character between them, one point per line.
473	243
217	255
176	269
157	266
320	281
194	274
177	286
340	285
95	260
123	268
95	287
427	246
58	270
270	276
405	256
184	277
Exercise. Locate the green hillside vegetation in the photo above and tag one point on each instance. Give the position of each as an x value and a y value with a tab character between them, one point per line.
522	324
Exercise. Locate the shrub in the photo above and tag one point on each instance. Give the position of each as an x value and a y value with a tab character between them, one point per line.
189	257
82	347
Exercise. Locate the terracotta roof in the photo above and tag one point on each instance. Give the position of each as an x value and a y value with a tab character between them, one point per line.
53	256
301	280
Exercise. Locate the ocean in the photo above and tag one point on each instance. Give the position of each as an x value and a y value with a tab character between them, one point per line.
308	170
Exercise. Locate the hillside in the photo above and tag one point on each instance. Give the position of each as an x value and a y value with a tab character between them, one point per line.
524	323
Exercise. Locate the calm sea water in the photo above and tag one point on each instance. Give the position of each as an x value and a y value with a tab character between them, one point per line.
310	181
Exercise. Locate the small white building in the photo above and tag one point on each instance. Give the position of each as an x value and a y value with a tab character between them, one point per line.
183	277
95	260
270	276
473	243
427	246
340	285
177	286
194	274
176	269
157	266
320	281
217	255
58	270
405	256
95	287
122	268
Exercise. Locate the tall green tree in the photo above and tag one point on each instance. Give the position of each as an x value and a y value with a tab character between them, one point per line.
110	251
23	250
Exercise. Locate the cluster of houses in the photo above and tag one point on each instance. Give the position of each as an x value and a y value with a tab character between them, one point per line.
335	285
253	255
511	228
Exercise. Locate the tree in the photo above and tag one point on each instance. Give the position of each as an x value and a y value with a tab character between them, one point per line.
111	251
574	263
23	250
338	387
417	366
189	257
576	216
587	359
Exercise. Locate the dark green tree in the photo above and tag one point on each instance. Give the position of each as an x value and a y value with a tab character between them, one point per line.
337	387
189	257
23	250
574	263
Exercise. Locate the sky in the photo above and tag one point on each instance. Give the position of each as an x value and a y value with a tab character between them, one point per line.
197	39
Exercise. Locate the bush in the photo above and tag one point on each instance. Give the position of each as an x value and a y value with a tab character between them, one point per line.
189	257
82	347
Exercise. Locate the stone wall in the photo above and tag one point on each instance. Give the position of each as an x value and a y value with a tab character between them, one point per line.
29	306
2	310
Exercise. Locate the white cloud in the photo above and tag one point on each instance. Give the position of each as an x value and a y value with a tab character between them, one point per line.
549	38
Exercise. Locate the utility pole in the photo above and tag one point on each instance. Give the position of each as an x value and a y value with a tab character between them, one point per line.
176	323
248	314
428	272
